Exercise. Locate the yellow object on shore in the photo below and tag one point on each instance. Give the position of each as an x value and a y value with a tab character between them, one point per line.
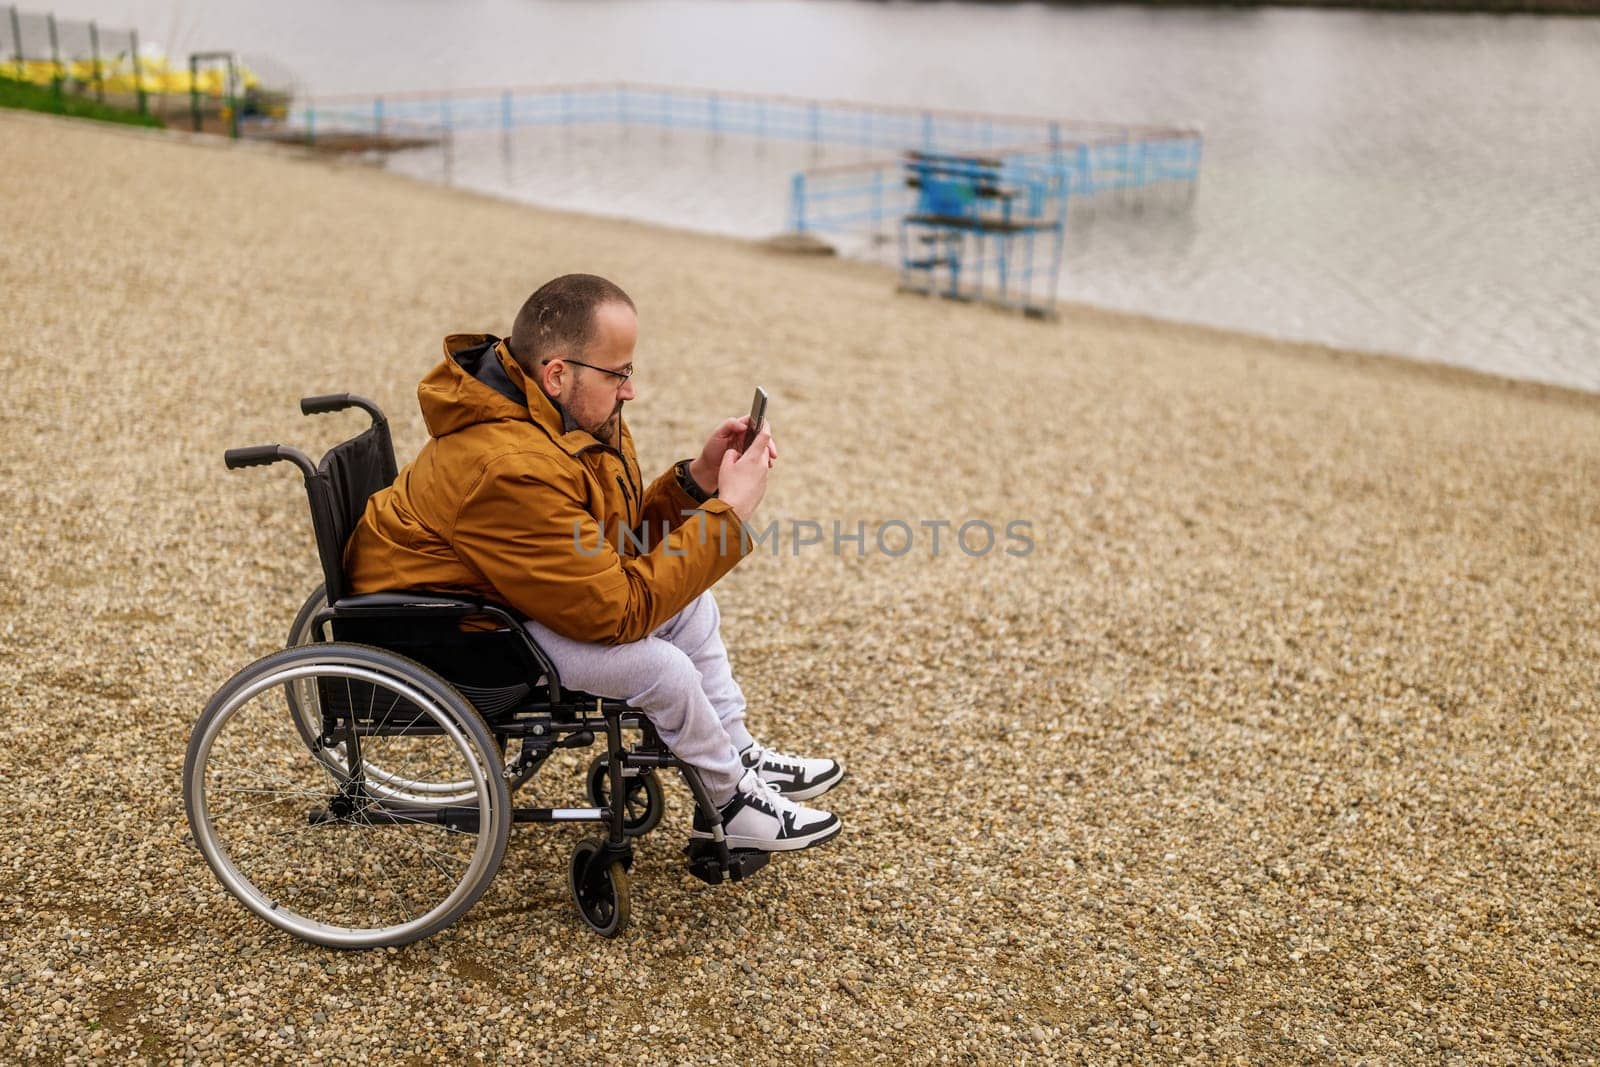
118	75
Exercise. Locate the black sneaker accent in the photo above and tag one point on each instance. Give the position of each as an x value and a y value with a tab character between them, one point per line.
770	822
788	774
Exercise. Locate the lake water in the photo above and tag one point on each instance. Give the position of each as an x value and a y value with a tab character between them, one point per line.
1422	185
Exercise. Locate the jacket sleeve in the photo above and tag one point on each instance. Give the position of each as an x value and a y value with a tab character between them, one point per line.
536	543
665	503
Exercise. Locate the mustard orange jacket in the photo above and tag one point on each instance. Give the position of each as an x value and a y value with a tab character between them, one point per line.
503	503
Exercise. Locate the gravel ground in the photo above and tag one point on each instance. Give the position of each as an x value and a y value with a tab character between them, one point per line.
1279	746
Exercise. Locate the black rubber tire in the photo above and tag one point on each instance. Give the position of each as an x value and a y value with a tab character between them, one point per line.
300	630
644	800
302	702
602	901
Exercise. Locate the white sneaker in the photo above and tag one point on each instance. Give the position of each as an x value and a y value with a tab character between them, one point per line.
795	777
760	817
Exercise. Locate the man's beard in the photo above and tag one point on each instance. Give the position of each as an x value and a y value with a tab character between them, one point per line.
610	431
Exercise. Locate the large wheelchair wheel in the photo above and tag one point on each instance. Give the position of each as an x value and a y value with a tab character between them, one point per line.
315	847
386	782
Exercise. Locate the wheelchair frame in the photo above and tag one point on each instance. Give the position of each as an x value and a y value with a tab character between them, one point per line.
478	689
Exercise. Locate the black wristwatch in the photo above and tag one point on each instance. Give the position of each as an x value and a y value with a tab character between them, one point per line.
689	485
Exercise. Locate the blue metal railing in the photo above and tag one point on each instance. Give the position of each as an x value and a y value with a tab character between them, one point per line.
1082	158
820	122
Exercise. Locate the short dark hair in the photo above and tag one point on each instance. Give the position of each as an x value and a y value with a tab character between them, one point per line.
560	316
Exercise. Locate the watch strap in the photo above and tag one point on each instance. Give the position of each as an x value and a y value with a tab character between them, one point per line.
689	485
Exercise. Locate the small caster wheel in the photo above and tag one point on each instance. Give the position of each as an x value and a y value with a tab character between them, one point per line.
643	803
602	896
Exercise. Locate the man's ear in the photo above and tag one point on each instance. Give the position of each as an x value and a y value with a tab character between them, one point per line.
549	380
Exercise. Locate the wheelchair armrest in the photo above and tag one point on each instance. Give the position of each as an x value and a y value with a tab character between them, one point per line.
402	603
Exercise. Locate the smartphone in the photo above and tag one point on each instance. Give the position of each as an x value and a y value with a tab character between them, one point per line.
758	416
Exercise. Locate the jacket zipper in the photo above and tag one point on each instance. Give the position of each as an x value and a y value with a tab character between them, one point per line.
630	495
627	498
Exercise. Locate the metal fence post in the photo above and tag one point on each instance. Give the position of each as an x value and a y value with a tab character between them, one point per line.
1196	147
55	58
448	142
16	38
233	100
377	116
505	131
716	123
877	200
797	202
816	125
94	53
138	72
927	131
311	125
194	92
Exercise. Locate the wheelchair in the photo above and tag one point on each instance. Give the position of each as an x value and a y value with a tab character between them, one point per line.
357	788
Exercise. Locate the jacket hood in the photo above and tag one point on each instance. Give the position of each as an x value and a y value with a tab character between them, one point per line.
470	386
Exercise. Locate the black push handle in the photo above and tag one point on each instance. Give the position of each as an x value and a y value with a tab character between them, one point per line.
253	456
321	405
260	455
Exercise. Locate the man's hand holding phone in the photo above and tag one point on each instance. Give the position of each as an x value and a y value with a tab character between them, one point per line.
736	436
742	481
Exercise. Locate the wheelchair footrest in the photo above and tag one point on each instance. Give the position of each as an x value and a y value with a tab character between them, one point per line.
706	865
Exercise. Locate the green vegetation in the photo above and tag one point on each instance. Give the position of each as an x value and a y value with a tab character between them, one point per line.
32	97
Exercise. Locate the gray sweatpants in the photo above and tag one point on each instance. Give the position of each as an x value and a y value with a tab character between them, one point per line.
679	677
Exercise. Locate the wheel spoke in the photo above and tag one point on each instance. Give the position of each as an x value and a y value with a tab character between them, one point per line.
245	809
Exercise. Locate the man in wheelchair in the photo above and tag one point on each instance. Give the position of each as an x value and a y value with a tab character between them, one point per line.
528	493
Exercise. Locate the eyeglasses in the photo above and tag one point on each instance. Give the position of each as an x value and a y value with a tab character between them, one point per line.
624	374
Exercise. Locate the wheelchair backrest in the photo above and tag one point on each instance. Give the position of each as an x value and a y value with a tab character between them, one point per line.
347	475
339	486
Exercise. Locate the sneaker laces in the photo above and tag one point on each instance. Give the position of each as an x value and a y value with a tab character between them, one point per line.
781	760
763	791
